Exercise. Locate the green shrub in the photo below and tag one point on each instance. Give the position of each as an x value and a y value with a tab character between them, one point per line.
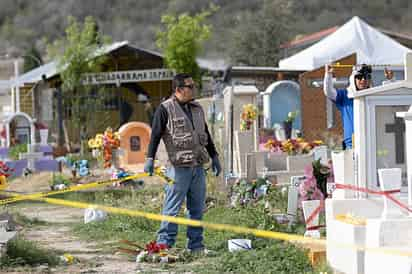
15	150
58	179
23	252
278	258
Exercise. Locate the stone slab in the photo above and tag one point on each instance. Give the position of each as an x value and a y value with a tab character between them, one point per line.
343	258
6	236
298	162
381	263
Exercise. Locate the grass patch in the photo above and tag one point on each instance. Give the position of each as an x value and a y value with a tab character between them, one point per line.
267	256
21	252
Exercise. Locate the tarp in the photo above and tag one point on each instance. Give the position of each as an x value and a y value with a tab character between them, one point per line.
356	36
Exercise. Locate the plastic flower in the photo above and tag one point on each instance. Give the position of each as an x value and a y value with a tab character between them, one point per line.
91	143
248	115
292	116
154	247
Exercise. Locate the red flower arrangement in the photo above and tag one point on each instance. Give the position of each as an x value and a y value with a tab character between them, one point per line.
154	247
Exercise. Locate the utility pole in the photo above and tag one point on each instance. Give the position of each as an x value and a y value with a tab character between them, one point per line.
16	102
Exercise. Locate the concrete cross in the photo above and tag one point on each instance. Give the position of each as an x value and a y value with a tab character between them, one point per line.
399	129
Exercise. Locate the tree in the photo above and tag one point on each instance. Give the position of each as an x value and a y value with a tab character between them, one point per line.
257	38
79	52
182	40
32	59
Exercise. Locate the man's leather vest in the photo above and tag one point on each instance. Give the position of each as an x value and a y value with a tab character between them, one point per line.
185	142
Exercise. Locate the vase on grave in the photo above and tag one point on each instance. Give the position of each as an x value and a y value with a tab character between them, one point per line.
309	208
95	153
390	180
287	126
44	135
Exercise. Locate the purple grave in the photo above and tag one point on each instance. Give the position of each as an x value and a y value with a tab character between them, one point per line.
4	152
18	166
46	165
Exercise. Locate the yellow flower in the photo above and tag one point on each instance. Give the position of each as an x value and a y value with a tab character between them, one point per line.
300	140
318	142
91	143
99	136
98	143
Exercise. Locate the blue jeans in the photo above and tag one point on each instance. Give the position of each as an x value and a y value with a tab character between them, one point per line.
189	184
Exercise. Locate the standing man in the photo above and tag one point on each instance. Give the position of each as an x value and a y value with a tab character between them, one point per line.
343	98
180	122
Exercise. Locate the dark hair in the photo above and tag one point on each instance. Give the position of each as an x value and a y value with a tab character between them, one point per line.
179	80
364	70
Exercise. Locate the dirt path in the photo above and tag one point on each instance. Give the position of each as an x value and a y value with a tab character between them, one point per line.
57	235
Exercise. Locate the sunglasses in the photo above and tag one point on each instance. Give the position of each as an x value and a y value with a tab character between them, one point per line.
363	76
188	86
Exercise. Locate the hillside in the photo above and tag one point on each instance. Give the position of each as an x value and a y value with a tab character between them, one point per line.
25	23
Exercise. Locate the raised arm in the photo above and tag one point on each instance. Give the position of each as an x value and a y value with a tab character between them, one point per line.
328	88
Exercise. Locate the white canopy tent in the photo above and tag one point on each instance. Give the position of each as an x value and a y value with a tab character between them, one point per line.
356	36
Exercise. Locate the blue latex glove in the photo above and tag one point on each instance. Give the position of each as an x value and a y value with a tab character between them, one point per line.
149	166
216	167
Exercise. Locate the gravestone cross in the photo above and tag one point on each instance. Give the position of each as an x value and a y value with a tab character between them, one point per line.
398	128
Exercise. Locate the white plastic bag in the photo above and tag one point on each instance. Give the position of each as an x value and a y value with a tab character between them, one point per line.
239	244
94	215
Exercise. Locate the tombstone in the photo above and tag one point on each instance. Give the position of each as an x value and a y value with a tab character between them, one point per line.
279	99
134	140
23	131
293	196
378	126
309	211
235	97
375	116
390	181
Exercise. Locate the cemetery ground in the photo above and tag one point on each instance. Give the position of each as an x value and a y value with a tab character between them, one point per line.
46	232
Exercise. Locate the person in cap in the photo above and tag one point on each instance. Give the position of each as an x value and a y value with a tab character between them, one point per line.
343	98
180	122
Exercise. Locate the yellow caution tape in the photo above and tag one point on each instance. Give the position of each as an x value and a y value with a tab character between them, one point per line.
37	195
189	222
223	227
338	65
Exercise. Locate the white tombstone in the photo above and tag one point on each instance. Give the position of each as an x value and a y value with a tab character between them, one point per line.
235	97
309	208
377	127
390	180
343	169
25	127
293	196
